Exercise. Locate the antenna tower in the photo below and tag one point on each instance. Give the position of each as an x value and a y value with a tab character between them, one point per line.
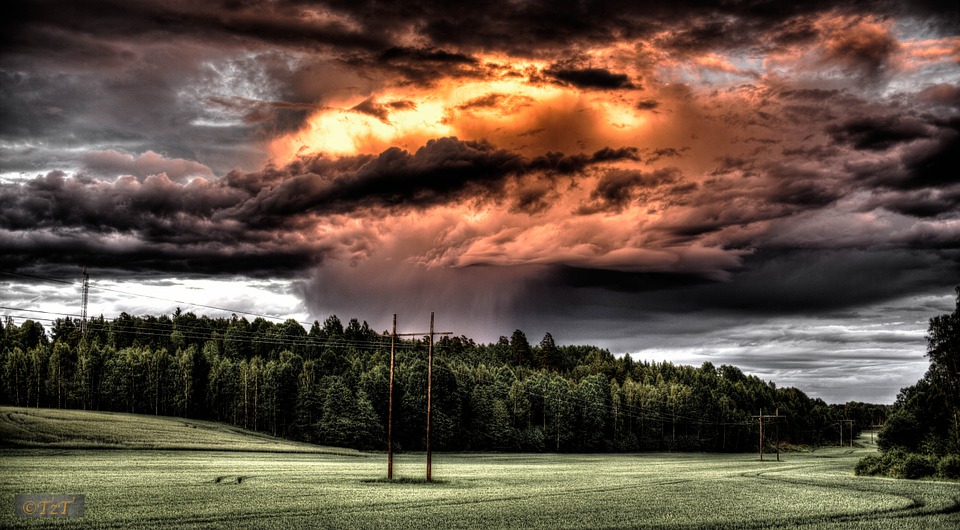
84	297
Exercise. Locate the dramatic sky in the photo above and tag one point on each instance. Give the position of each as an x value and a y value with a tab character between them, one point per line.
767	184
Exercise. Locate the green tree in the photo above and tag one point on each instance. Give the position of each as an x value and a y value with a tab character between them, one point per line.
520	348
60	368
550	357
592	396
237	339
222	388
186	364
309	407
88	374
16	376
943	349
39	356
336	426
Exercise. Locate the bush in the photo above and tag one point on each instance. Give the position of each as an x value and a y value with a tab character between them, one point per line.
892	462
869	465
949	467
901	431
918	466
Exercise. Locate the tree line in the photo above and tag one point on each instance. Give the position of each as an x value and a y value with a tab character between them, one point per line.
330	385
922	437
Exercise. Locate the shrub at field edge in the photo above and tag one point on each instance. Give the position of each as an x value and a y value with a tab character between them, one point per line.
900	464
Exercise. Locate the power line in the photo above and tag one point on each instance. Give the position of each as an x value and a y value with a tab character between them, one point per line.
46	278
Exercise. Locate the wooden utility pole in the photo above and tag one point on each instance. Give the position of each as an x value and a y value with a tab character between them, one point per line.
393	340
393	349
778	435
841	432
429	401
774	417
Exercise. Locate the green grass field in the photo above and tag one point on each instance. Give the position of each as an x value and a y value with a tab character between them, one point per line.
254	489
78	429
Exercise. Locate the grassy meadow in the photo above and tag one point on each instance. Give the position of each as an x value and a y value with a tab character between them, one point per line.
79	429
163	488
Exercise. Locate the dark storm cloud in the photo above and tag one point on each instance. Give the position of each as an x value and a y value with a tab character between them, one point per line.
382	111
275	22
781	282
599	78
484	102
442	171
439	172
425	55
370	108
618	188
201	261
927	157
712	32
156	215
929	203
421	66
647	104
514	27
934	164
666	152
878	133
799	187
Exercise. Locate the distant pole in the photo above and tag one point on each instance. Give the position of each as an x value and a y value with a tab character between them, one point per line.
393	347
778	435
761	433
775	417
429	389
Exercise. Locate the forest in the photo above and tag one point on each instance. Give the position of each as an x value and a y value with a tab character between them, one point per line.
922	435
330	385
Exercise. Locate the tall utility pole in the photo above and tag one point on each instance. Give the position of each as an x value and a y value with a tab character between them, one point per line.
393	340
429	392
429	389
841	431
393	348
85	294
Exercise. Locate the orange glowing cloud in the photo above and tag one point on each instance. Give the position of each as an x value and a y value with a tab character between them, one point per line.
514	107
